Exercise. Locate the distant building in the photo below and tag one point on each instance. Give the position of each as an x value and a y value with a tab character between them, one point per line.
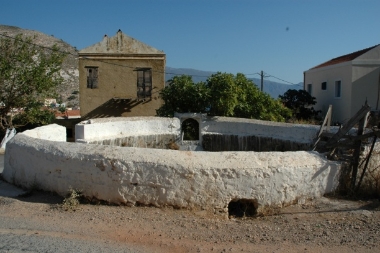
50	101
120	76
346	82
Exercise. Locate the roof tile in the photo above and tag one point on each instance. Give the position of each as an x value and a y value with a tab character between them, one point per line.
344	58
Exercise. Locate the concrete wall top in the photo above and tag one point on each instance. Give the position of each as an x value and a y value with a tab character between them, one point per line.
277	130
102	128
51	132
97	129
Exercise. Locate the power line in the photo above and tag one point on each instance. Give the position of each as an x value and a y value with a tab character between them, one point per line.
261	74
281	79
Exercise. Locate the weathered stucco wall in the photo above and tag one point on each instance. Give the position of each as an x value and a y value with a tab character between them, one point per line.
185	179
113	128
249	127
216	133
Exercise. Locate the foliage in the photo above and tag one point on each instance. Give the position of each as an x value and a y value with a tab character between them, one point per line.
28	75
182	95
300	102
255	104
223	94
71	202
33	117
61	108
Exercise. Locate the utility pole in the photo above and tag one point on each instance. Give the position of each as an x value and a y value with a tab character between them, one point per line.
262	80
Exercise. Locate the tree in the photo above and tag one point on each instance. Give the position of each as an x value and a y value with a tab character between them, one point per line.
300	102
223	94
28	75
182	95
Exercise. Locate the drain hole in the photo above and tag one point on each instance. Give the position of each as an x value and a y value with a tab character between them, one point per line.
242	208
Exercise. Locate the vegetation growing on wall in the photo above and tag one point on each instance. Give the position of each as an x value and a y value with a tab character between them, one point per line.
222	94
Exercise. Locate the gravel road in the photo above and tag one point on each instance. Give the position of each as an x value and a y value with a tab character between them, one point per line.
38	223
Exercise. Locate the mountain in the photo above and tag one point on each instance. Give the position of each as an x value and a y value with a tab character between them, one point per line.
274	89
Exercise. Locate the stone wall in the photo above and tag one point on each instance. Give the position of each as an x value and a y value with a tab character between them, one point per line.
184	179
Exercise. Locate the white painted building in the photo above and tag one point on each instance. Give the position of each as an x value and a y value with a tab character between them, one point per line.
346	82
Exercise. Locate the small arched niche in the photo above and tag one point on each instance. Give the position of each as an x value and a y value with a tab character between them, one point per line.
190	130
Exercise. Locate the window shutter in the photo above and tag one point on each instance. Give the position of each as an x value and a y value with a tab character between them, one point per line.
144	83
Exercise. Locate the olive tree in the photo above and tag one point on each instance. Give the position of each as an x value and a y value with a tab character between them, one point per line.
28	75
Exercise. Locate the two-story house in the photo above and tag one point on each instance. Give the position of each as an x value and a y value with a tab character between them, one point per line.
120	76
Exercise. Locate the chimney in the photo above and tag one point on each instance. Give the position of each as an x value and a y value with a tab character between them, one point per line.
119	40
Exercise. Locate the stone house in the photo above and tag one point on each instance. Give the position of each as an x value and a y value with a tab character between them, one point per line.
120	76
346	82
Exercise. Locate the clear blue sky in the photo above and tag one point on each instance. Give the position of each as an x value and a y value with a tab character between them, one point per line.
281	37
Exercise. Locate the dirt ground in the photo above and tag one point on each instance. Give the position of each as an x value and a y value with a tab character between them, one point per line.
325	225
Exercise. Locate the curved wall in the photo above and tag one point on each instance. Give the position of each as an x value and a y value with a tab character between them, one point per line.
185	179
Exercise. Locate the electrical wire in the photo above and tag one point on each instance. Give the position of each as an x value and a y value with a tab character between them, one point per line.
280	79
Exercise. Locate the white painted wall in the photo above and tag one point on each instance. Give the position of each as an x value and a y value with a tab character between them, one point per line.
207	180
276	130
106	128
329	74
51	132
365	87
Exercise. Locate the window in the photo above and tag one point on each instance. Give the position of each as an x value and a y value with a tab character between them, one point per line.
144	83
324	86
92	77
309	88
338	89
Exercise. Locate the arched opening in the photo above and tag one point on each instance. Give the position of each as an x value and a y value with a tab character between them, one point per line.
190	130
243	208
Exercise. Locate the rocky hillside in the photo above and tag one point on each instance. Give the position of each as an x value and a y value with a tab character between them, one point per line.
69	89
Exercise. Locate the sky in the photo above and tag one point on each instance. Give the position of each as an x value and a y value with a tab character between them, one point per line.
283	38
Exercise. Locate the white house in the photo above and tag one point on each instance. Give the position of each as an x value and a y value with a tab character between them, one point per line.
346	82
